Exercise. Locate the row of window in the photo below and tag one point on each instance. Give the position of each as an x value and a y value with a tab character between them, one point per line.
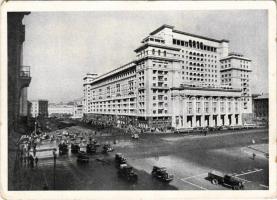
194	44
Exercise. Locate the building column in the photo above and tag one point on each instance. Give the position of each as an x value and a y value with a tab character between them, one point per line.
239	119
193	121
184	111
226	120
173	121
219	121
233	120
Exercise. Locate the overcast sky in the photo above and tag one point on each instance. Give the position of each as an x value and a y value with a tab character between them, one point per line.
61	47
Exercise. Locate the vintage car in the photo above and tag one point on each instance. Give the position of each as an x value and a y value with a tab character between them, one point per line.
82	157
75	147
161	174
91	148
107	148
126	172
135	136
226	180
119	159
63	148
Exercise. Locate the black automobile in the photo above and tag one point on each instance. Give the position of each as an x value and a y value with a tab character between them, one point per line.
75	147
224	179
107	148
119	159
91	148
82	157
63	148
126	172
161	174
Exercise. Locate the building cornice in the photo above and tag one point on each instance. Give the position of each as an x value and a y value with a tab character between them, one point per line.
157	58
144	46
114	71
205	89
236	68
235	57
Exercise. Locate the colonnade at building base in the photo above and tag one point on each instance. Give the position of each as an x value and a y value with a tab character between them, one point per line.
192	121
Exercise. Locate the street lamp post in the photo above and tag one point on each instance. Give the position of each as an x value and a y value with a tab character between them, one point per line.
54	169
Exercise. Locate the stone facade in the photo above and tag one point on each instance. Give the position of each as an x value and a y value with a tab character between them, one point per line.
19	77
177	80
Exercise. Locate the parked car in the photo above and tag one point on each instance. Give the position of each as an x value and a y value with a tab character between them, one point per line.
82	157
224	179
119	159
107	148
75	147
161	174
90	148
63	148
127	173
135	136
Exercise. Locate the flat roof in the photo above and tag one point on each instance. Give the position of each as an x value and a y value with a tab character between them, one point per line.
235	57
262	96
116	70
185	33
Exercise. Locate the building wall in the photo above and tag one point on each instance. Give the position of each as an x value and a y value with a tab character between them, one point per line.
18	75
39	108
60	110
173	71
236	71
261	108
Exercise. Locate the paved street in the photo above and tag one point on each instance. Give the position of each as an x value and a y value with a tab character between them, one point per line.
188	157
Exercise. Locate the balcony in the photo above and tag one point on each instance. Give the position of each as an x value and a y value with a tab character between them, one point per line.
25	76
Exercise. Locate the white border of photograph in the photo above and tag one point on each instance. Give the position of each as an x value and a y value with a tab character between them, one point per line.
133	6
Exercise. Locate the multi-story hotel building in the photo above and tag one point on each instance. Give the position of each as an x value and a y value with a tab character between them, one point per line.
177	80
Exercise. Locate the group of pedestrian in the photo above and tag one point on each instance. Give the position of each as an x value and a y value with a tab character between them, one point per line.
28	152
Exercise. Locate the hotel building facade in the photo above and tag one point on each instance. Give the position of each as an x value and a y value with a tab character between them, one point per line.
178	80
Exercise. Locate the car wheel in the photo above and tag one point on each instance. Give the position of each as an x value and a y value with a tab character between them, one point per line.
214	181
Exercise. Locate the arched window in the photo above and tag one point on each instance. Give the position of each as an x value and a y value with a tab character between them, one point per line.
201	45
190	43
193	43
164	53
153	51
159	52
197	45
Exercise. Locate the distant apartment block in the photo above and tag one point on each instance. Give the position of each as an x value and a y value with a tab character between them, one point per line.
60	110
178	79
78	108
261	106
39	108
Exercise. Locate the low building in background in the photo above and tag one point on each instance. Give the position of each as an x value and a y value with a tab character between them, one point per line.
260	108
39	108
78	108
60	110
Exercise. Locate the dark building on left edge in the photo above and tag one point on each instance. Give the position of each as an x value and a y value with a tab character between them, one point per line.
19	76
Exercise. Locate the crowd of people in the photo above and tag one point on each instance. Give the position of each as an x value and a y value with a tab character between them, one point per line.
28	151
